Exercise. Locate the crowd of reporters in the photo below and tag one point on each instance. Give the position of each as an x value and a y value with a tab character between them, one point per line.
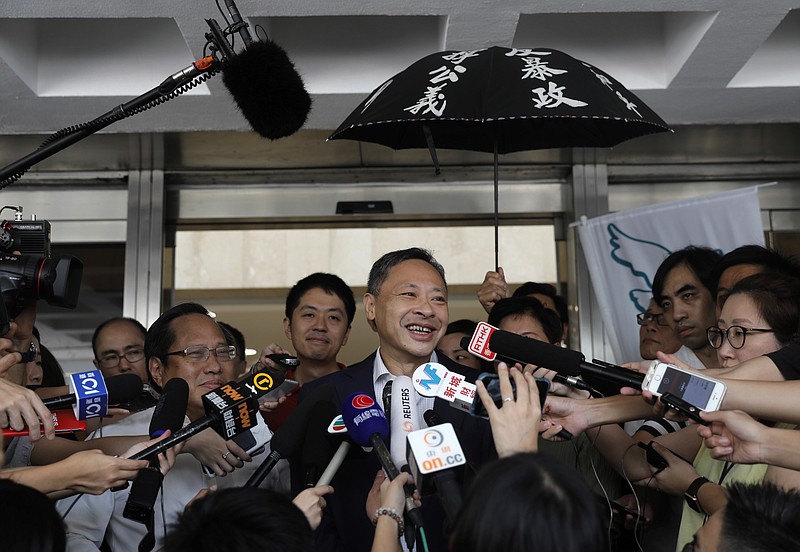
524	487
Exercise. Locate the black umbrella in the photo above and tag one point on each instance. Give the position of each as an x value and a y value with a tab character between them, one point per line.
499	100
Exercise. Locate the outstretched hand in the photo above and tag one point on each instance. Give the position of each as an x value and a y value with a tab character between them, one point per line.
515	425
734	436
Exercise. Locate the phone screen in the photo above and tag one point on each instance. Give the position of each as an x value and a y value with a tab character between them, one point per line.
690	388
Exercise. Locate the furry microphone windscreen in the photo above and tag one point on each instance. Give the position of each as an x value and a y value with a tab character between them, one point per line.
268	90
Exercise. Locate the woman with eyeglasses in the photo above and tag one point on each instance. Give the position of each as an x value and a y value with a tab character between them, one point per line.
761	315
762	320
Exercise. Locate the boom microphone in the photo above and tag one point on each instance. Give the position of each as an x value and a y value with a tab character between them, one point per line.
267	89
367	425
237	23
288	438
118	389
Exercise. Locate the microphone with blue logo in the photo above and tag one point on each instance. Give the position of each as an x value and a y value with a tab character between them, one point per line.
90	394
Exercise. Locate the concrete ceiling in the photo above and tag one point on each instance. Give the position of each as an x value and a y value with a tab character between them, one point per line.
693	61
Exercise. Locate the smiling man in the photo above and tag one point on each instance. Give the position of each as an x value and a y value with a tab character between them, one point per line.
319	314
684	287
406	305
184	342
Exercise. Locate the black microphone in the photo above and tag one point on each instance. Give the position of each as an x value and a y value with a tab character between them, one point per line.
367	425
443	480
559	378
267	89
386	397
121	388
288	438
317	449
558	359
169	414
230	409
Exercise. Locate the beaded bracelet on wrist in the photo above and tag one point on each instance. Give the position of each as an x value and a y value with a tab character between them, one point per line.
392	513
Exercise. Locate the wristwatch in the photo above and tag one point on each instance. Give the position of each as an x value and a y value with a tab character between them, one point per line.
691	494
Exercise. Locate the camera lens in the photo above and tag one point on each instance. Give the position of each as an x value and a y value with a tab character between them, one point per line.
57	280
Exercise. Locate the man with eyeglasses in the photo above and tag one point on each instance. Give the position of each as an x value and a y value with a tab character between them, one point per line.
118	346
655	332
184	342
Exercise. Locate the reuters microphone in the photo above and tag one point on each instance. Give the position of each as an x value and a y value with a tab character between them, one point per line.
404	418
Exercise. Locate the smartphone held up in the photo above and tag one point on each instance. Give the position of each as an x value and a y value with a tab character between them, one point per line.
685	388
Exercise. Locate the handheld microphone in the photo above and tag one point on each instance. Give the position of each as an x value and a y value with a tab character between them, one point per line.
387	397
91	394
368	427
317	451
231	409
563	361
404	418
433	453
288	438
571	381
169	414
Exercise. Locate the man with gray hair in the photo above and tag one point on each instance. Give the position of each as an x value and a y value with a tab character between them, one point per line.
406	305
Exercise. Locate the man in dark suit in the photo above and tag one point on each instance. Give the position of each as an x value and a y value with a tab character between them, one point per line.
406	304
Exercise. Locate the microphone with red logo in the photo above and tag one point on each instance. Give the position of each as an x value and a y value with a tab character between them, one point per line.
230	409
367	425
488	341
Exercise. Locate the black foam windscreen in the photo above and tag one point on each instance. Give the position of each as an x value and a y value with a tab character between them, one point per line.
170	411
267	89
531	351
289	437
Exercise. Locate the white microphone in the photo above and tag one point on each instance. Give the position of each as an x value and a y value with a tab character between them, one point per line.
404	418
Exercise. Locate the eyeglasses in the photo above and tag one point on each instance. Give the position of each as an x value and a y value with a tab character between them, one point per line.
112	360
735	334
199	353
648	317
